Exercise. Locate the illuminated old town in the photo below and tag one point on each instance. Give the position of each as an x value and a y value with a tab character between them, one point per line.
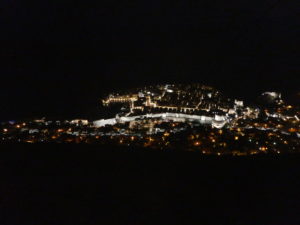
178	118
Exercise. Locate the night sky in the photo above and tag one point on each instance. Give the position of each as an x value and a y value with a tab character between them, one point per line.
58	58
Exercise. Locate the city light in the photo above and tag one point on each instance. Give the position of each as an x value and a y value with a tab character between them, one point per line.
190	117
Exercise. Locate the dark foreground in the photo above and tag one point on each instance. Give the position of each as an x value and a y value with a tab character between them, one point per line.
73	184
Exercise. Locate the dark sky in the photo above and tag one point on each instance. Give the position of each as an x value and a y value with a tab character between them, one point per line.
59	57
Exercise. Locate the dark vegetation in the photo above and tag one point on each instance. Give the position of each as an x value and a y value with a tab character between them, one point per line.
85	184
